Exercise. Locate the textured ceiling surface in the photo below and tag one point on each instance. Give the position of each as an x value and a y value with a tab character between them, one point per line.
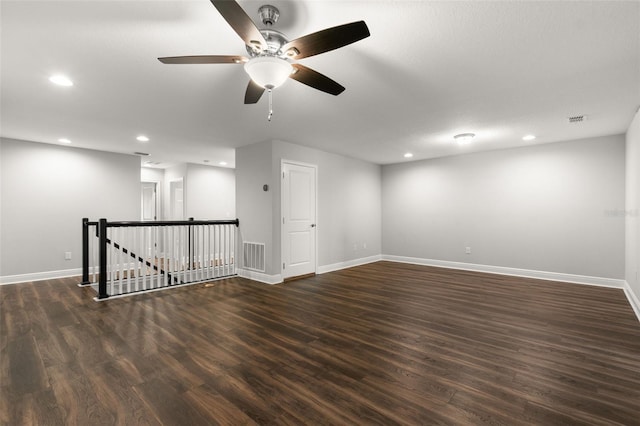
428	71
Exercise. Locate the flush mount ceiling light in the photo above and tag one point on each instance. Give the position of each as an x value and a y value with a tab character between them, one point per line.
61	80
223	163
142	138
408	155
464	138
528	137
64	141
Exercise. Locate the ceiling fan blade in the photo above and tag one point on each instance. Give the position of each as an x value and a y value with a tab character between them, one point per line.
253	93
204	59
240	22
311	78
326	40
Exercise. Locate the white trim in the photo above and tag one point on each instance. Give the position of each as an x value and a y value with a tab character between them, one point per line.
259	276
527	273
348	264
633	299
39	276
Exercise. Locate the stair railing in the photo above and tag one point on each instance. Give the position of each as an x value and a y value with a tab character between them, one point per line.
129	257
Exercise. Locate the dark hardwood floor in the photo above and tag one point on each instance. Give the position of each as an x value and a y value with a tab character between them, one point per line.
384	343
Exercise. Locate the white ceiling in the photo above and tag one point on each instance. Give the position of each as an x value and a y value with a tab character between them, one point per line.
429	70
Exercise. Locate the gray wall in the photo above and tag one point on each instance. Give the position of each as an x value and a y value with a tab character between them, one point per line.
253	205
47	189
348	202
210	192
549	207
632	211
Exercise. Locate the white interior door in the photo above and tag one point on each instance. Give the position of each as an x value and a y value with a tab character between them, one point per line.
298	219
149	201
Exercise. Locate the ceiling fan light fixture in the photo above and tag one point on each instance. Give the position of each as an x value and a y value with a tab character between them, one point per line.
268	71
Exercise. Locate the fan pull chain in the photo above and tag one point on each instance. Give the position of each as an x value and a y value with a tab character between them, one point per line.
270	105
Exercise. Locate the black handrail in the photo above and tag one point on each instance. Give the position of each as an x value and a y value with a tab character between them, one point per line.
235	222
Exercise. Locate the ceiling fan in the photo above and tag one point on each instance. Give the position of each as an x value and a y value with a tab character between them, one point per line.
271	55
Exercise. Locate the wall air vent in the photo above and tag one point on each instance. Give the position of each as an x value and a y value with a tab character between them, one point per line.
576	118
254	256
141	153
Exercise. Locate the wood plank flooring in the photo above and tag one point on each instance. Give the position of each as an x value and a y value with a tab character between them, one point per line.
383	343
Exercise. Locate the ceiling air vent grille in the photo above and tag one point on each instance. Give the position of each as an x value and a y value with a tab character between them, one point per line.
576	118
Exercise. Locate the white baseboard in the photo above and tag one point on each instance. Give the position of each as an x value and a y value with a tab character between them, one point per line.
277	279
633	299
259	276
39	276
348	264
502	270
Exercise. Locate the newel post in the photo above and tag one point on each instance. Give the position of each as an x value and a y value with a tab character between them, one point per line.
85	252
102	254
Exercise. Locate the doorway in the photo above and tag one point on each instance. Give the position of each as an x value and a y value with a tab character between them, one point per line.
298	206
176	199
149	207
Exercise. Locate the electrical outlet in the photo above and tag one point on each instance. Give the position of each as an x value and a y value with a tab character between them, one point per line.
467	250
364	245
67	255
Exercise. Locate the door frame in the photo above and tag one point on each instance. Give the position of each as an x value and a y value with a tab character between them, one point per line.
281	218
172	198
158	203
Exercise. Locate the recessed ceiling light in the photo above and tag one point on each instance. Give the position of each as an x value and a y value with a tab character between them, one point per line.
223	163
61	80
64	140
142	138
528	137
408	155
464	138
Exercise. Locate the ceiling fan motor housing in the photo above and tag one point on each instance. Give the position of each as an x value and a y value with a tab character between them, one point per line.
275	40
